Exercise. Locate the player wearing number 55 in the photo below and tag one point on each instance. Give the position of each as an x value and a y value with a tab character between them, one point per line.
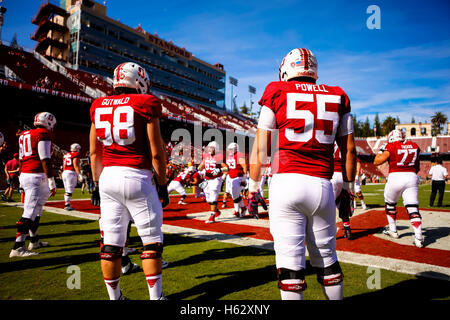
304	119
129	172
403	158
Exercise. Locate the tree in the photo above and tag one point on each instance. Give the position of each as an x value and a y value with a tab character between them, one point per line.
244	109
14	43
356	127
366	131
389	124
438	120
377	126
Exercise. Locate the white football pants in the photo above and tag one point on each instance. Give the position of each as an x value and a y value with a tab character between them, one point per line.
302	214
70	179
128	193
35	186
176	186
402	184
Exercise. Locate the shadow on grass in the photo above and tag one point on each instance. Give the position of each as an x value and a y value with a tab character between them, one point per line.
55	223
424	288
18	264
45	236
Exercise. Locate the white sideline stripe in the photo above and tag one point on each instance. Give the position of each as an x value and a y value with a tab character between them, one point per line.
397	265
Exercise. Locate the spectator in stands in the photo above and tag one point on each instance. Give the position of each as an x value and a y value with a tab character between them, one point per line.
12	177
438	175
3	159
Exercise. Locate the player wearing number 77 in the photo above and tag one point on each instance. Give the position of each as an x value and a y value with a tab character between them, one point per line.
127	153
305	119
404	163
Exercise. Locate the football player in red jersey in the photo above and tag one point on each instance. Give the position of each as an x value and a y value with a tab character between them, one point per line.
305	119
179	182
36	178
127	153
237	168
404	164
71	173
214	166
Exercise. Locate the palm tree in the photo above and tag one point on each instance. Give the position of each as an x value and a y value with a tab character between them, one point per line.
438	120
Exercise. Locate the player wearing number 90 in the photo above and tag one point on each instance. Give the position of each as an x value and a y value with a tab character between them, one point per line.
127	153
403	158
306	119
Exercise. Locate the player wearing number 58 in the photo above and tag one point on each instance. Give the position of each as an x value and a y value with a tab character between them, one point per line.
129	172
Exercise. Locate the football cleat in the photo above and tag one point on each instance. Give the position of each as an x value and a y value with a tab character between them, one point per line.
390	233
37	245
418	243
236	214
211	219
182	202
163	297
68	208
122	297
165	264
130	268
347	233
243	211
364	206
21	252
217	214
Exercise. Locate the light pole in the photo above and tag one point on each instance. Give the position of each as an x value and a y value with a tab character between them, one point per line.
2	17
233	82
252	90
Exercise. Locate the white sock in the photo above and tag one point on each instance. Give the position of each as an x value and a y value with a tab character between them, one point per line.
392	222
416	224
236	206
334	292
113	287
154	285
67	199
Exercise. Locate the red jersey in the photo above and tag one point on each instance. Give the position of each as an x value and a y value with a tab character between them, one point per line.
12	165
307	117
403	156
211	163
337	159
197	176
28	149
121	124
183	177
234	167
68	160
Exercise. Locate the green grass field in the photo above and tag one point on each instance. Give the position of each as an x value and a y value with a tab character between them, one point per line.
198	269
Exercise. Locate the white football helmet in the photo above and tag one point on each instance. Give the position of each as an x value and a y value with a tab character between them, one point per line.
191	169
2	139
298	63
131	75
396	135
75	147
233	147
212	147
45	119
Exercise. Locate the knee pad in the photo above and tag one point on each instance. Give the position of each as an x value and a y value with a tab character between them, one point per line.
330	276
237	200
213	203
111	253
390	208
68	194
413	211
35	224
157	247
287	274
24	225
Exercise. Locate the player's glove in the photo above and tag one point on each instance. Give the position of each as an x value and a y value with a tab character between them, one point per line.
202	185
349	186
52	186
254	200
345	204
163	194
95	197
382	148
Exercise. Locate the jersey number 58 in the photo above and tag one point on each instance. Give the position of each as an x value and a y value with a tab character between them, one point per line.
121	131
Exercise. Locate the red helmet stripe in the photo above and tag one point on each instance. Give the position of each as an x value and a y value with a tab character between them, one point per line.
305	54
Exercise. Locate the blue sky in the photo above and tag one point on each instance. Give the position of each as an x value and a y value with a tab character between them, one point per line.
402	69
